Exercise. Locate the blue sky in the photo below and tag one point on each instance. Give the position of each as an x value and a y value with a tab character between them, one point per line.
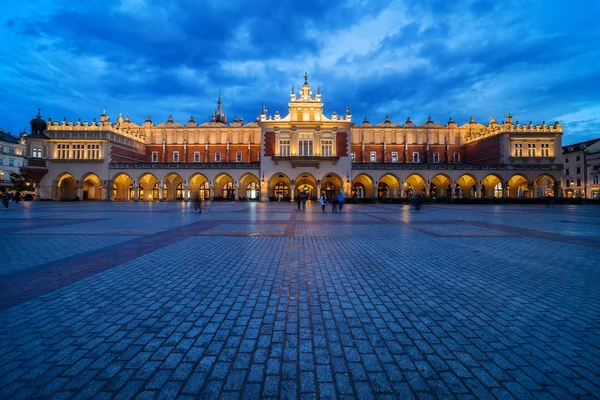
540	59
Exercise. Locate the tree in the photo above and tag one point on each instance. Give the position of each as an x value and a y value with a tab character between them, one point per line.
21	180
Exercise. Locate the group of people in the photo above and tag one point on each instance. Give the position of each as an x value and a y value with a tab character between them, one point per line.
6	197
336	202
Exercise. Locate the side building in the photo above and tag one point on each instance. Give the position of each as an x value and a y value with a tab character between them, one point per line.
582	169
12	149
277	157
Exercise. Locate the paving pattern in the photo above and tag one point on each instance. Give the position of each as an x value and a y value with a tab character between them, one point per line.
120	300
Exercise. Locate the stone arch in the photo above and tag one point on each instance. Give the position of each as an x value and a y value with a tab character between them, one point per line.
545	185
92	187
441	186
518	186
388	186
199	187
279	186
414	184
224	187
122	187
331	184
148	187
492	186
173	187
67	187
249	187
362	186
468	185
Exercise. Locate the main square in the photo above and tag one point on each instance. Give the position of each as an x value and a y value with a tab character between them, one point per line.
262	300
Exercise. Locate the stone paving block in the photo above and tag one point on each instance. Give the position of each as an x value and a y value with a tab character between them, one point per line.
233	306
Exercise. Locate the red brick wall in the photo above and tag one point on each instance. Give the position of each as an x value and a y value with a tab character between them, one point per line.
342	144
269	144
201	148
121	155
484	151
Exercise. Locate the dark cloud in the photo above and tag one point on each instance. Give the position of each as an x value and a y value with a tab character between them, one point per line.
411	57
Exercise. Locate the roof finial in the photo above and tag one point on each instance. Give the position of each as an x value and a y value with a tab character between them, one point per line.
39	112
219	95
319	89
305	77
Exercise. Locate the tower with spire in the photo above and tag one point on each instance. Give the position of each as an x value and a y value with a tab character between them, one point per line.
219	115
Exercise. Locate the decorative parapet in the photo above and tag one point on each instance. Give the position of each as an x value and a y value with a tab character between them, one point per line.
169	165
77	160
306	161
444	166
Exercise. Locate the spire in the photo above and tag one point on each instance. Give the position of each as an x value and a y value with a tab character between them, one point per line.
305	77
219	115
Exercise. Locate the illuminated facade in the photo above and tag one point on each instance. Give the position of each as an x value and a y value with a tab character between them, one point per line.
276	157
11	156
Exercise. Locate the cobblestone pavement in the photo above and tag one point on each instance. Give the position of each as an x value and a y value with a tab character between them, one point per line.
104	300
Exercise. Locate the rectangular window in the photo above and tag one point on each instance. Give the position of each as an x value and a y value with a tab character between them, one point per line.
578	170
578	158
238	156
456	157
36	152
394	156
518	147
352	157
93	151
567	172
531	149
326	148
595	179
436	157
63	151
305	147
218	156
1	161
415	157
11	162
196	156
155	156
373	156
175	156
284	148
578	182
566	160
545	149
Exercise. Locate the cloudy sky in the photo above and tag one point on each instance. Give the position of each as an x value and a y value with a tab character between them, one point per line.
540	59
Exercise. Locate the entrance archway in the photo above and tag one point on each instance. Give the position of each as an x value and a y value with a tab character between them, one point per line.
91	187
122	188
67	188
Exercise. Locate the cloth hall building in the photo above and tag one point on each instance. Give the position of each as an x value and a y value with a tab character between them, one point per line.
277	157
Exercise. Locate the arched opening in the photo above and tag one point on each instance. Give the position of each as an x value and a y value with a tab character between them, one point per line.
252	191
173	187
199	187
415	184
67	188
467	186
306	184
383	190
441	186
546	186
92	187
331	185
228	191
518	187
122	188
224	188
281	191
148	188
358	190
491	185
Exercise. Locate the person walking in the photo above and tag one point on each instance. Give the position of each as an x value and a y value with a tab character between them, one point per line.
340	201
304	199
323	202
198	205
333	201
299	200
5	198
